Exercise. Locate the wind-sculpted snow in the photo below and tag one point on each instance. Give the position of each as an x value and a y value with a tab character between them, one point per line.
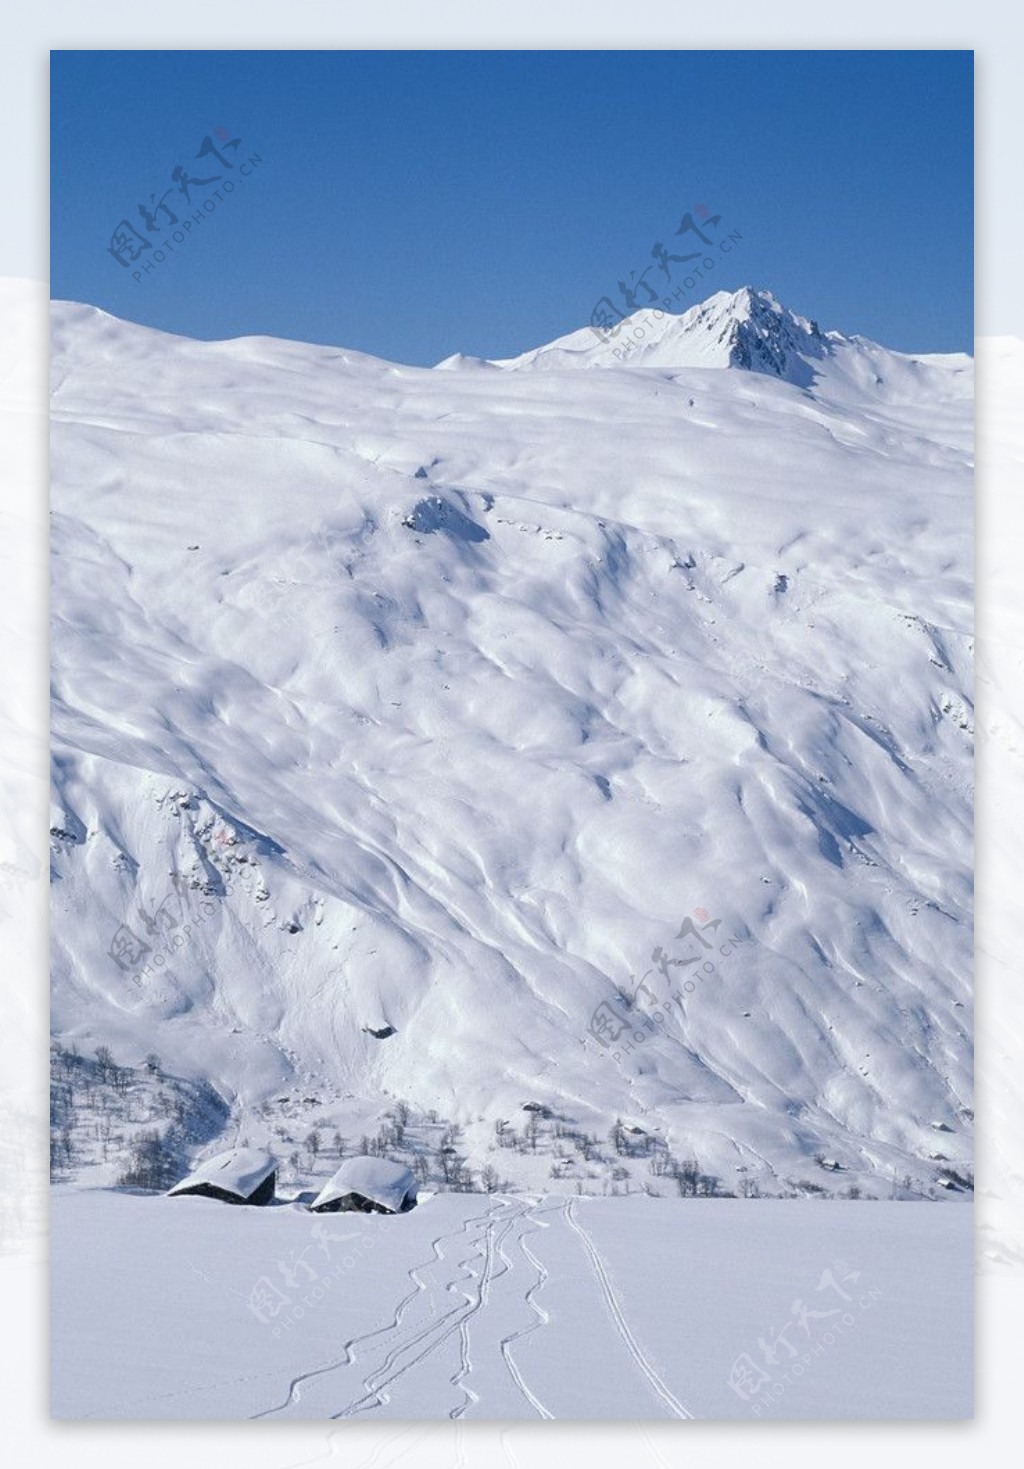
433	704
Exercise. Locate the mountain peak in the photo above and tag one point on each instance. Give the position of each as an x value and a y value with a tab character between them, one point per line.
750	329
749	299
747	328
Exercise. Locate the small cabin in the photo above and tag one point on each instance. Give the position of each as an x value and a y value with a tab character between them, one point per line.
369	1186
239	1176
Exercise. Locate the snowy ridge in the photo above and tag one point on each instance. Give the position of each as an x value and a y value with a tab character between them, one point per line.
431	704
745	329
750	330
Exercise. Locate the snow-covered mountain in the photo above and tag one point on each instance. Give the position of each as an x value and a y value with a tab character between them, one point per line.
410	719
750	329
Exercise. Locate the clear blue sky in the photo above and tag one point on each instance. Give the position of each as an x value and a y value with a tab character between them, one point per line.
414	204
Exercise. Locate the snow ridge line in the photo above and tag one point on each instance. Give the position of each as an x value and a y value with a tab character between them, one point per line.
646	1367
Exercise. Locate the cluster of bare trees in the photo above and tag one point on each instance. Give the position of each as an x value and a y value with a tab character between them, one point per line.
152	1163
445	1164
451	1164
632	1142
97	1105
690	1180
110	1074
533	1131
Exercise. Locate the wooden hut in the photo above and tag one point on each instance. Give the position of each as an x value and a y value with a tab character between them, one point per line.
369	1185
239	1176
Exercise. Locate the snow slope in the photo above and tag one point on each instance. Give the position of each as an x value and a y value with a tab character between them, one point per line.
511	1307
436	701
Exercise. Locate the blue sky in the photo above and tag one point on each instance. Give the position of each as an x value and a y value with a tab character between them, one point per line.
414	204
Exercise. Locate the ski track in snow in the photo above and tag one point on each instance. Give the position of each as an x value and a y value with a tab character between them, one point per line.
491	1258
419	1290
615	1311
542	1317
433	1337
520	1308
494	1246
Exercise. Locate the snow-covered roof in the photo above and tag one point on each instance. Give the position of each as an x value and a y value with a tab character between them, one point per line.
239	1171
379	1179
